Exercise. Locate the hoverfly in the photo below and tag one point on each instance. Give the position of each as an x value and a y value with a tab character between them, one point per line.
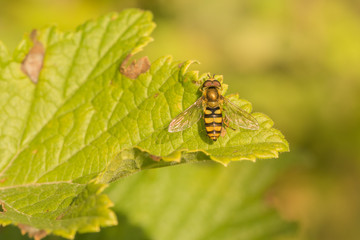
217	111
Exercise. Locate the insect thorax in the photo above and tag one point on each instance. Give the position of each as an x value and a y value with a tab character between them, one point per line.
212	96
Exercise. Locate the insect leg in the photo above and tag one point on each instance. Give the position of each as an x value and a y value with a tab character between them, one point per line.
226	122
223	132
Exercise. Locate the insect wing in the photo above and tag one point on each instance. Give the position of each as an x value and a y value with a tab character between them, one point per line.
238	117
188	117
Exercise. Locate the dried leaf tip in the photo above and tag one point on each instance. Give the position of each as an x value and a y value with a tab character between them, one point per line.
33	61
35	233
135	68
155	158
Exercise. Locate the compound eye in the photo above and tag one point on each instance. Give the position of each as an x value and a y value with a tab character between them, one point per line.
207	83
216	83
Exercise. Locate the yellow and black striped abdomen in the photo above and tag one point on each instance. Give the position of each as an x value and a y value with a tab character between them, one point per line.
213	122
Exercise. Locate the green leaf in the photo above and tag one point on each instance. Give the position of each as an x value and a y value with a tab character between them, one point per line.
47	127
53	207
83	124
200	202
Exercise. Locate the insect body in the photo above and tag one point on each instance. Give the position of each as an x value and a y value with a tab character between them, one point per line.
217	111
213	122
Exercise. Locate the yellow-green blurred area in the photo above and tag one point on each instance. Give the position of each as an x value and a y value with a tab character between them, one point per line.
297	61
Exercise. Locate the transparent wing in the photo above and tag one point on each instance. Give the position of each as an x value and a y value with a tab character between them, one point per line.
239	118
188	117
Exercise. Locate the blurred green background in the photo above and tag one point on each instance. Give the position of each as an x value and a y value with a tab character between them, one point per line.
297	61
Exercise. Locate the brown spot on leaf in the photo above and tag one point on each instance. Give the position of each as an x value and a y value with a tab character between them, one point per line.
60	216
196	82
33	61
156	95
3	180
155	158
135	68
2	207
35	233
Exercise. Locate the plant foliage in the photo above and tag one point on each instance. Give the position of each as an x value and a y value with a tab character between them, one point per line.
73	120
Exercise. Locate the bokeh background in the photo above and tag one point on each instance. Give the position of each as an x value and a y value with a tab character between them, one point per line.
298	61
